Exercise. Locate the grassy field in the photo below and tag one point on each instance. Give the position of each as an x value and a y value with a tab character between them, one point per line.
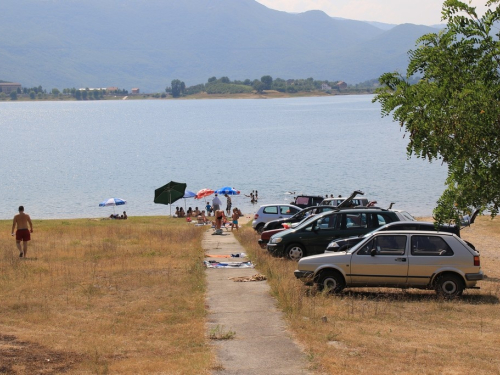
102	297
391	331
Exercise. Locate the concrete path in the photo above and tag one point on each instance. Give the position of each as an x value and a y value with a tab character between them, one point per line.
262	344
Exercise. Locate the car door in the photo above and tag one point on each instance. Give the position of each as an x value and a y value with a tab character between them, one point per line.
382	261
270	213
428	253
287	211
315	236
352	224
324	230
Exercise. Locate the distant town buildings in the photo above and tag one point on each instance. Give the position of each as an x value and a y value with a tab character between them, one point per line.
8	87
325	87
135	90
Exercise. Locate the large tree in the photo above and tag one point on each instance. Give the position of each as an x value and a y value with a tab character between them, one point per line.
178	88
453	113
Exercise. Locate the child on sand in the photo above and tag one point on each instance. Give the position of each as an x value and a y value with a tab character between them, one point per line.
235	218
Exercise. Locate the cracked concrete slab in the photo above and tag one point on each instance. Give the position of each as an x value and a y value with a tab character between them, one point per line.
261	343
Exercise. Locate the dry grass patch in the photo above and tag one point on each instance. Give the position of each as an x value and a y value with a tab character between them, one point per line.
114	296
373	331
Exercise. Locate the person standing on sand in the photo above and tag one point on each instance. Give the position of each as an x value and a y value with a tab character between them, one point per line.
235	218
216	203
228	204
219	216
22	220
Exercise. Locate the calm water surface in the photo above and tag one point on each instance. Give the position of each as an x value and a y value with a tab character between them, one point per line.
60	159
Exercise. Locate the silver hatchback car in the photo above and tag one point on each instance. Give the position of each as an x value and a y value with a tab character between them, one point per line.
400	259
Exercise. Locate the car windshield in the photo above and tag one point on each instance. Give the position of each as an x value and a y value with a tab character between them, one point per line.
358	245
302	214
307	221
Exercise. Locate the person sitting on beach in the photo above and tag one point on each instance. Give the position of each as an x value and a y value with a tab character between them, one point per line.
189	212
124	216
181	212
202	219
196	211
177	212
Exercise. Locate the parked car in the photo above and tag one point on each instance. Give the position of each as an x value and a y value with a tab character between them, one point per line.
348	202
397	259
298	217
275	226
313	235
335	202
344	244
304	201
270	212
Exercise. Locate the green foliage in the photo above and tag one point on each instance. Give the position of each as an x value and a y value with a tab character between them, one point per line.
258	86
13	95
178	88
32	95
453	113
267	81
195	89
219	87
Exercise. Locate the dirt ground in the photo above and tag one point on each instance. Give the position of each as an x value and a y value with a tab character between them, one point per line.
20	357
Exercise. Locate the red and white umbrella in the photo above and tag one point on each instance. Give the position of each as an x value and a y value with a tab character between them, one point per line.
204	193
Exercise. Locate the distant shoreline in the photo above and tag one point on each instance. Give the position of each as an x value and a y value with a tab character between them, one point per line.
267	94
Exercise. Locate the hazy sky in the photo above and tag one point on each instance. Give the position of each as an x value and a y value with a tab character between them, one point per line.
422	12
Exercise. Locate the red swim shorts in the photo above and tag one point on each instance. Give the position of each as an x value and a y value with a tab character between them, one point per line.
23	235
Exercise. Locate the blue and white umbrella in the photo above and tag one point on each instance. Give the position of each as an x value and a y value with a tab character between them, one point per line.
112	202
188	194
227	190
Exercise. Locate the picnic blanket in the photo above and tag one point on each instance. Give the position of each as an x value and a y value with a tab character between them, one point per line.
216	264
237	255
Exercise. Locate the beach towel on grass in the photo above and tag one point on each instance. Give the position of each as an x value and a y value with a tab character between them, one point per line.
215	264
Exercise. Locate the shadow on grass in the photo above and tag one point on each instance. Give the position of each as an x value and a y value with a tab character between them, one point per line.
403	296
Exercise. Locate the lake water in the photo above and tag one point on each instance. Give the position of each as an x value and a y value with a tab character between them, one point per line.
60	159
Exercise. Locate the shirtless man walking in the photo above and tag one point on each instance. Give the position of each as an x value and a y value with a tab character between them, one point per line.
22	234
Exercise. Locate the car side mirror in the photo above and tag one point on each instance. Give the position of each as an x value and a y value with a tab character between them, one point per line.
373	252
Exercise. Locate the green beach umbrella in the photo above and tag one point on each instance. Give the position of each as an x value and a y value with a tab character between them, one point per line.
169	193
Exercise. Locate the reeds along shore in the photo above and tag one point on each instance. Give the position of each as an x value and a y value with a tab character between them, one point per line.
111	296
389	331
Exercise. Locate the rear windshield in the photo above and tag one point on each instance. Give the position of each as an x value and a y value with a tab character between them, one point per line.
302	200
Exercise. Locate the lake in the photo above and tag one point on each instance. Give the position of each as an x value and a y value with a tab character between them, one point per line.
60	159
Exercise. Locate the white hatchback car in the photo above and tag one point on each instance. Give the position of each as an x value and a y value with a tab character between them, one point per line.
270	212
398	259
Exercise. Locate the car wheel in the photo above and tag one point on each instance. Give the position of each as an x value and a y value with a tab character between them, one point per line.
295	252
259	228
331	281
449	286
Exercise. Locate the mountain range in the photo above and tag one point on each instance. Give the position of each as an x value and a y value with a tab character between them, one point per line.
148	43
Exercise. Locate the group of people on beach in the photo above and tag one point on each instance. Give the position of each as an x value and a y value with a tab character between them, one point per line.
254	196
220	215
119	217
221	219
